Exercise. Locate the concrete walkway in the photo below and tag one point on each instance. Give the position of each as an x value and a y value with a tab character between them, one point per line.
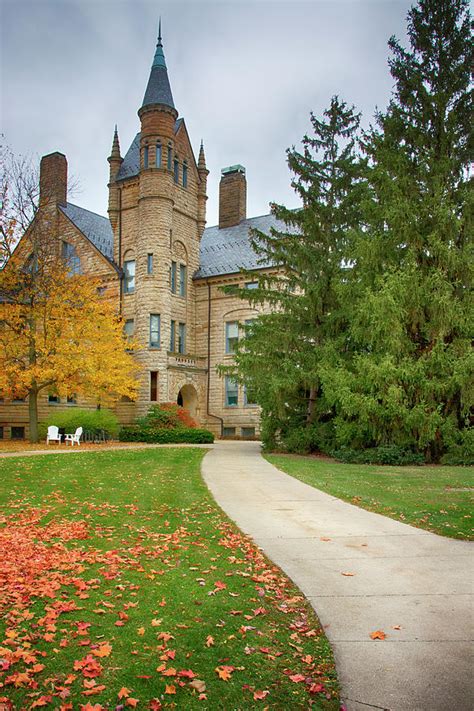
402	576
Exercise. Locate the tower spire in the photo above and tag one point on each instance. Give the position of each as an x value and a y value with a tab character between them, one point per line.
158	89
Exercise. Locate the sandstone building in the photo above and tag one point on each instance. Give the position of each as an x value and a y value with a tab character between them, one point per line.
155	256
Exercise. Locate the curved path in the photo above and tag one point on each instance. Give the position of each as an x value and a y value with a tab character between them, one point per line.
402	577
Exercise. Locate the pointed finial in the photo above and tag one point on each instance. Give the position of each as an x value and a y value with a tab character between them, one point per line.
202	157
160	44
115	145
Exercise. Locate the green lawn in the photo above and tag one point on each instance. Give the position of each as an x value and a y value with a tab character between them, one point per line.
124	584
438	499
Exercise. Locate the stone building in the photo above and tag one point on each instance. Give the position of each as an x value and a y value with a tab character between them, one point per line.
156	258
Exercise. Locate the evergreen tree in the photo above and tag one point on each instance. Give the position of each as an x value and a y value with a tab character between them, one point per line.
409	291
282	354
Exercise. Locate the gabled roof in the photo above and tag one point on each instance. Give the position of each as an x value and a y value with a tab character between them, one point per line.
228	250
95	227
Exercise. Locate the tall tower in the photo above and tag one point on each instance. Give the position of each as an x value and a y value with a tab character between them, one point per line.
162	217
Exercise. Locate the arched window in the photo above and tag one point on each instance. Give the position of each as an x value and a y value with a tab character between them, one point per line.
185	174
71	258
158	154
145	157
170	155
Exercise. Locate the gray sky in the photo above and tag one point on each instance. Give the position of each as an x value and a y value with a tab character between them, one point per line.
244	74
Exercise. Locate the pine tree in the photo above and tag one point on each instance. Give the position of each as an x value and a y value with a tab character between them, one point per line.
282	354
411	382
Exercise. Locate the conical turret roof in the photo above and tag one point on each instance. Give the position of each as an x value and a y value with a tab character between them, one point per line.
158	90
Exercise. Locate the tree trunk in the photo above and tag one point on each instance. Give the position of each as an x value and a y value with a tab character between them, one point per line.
310	412
33	415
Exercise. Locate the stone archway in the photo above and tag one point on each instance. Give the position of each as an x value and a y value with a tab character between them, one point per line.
188	398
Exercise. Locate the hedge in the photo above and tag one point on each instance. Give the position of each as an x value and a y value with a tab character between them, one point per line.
188	435
389	454
94	422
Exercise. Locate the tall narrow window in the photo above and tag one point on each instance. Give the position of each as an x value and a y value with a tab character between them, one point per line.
158	155
149	264
153	385
129	328
185	174
173	336
129	276
170	156
71	258
176	170
231	336
182	280
154	330
231	392
145	157
182	338
249	397
173	277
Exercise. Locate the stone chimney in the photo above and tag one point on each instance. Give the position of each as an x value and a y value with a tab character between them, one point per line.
53	179
232	196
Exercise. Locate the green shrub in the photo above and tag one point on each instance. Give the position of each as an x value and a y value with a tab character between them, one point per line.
462	452
93	422
163	435
389	454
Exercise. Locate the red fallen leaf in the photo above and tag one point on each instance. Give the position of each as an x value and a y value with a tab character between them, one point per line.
316	688
131	702
378	634
141	631
170	689
36	668
96	690
224	672
92	707
188	673
260	695
124	692
42	701
348	575
161	668
119	623
165	636
324	539
307	659
221	586
155	705
209	641
169	672
89	683
297	678
155	623
143	676
66	707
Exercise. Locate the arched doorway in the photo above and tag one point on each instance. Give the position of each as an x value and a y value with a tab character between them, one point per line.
188	398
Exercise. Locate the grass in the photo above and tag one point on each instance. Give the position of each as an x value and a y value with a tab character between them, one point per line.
124	585
438	499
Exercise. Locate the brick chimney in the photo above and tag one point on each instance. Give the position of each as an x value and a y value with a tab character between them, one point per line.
232	196
53	179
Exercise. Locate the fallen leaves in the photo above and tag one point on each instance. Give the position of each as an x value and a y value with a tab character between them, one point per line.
378	634
348	575
224	672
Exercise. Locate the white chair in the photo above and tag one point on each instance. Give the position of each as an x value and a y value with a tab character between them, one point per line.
76	437
53	434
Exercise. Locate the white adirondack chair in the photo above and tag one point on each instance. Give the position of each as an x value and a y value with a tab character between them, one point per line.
53	434
76	437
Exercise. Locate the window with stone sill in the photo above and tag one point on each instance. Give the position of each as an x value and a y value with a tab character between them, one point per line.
181	338
71	399
173	336
158	155
17	432
145	156
185	174
53	399
154	330
149	263
70	258
231	336
176	170
170	156
231	392
129	276
129	328
173	275
182	280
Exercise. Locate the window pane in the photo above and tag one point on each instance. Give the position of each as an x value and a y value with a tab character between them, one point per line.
185	175
182	280
71	258
176	170
18	433
72	400
153	385
251	285
249	397
158	155
145	157
182	338
173	277
53	398
228	431
129	327
129	276
149	264
172	336
231	392
248	431
231	336
170	156
155	330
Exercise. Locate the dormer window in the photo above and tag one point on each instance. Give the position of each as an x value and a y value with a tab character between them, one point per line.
170	155
185	174
176	170
145	157
158	155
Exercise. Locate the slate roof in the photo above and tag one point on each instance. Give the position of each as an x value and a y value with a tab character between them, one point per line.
158	90
95	227
131	163
228	250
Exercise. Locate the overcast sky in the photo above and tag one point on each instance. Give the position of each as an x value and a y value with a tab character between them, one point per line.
245	76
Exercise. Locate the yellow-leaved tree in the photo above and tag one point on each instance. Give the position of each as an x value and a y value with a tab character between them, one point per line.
56	331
